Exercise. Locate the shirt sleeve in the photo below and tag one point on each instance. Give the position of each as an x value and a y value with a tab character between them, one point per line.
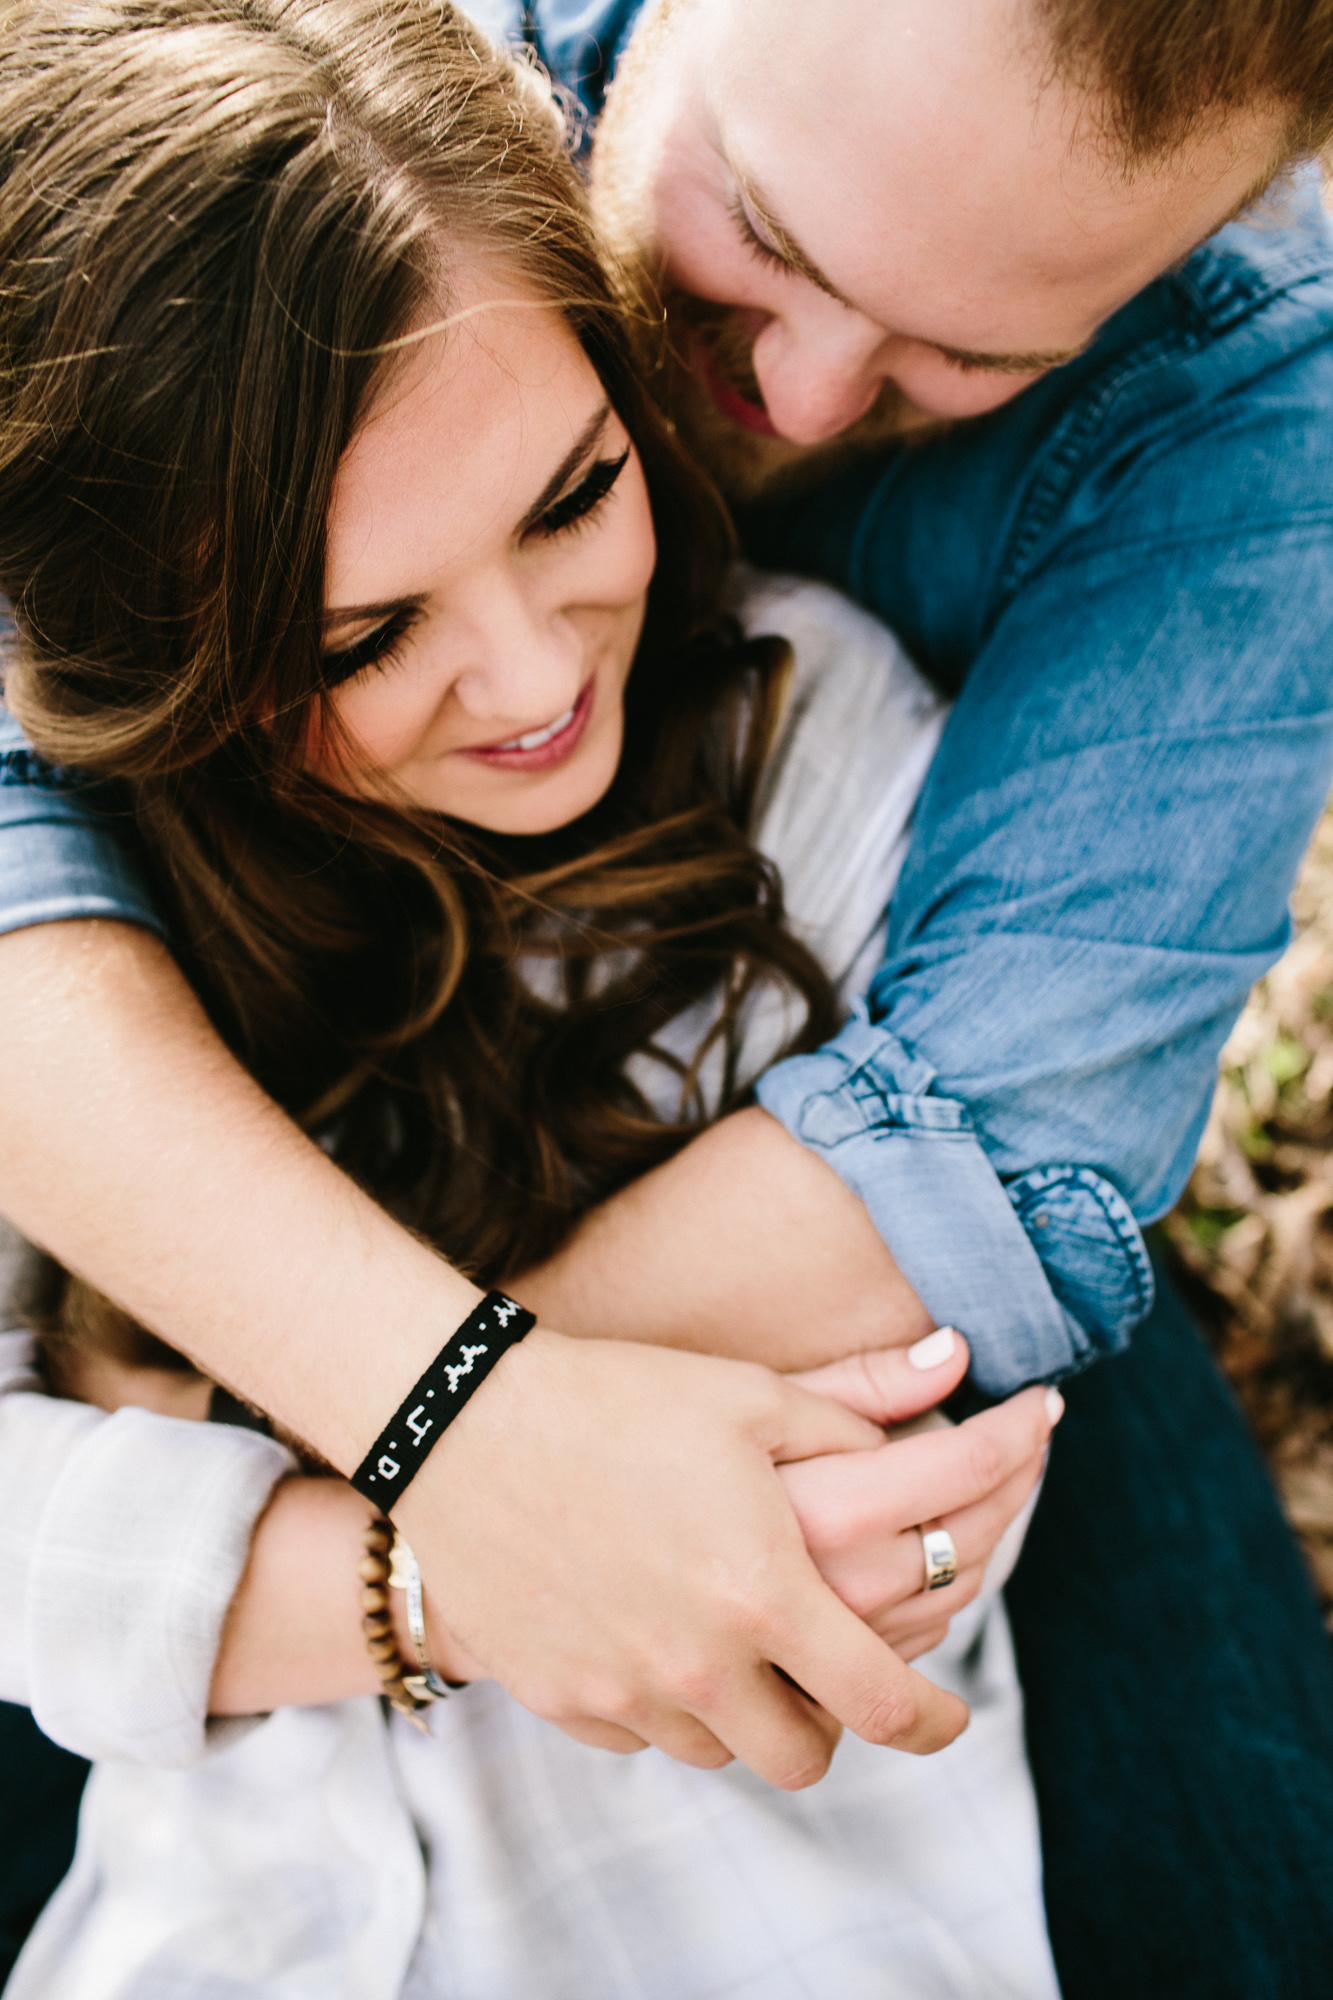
60	857
1099	871
122	1540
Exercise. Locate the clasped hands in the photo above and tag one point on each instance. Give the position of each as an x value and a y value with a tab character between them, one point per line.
706	1522
639	1536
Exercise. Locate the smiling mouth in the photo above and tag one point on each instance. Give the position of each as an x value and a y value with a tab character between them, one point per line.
727	397
539	749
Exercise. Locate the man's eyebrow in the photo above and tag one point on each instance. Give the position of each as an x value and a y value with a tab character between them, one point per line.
1032	362
582	448
784	243
789	250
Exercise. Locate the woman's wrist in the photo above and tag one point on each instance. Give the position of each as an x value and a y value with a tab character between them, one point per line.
293	1635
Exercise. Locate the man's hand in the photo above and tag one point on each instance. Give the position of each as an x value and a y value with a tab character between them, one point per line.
861	1512
604	1528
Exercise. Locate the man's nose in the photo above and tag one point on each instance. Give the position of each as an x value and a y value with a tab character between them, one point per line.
820	374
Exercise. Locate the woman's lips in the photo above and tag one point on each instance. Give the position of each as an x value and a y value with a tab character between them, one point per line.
539	749
728	398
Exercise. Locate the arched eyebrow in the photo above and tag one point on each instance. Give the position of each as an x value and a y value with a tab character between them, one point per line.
582	449
784	245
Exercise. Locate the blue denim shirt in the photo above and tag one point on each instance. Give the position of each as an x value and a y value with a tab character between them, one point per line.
1128	573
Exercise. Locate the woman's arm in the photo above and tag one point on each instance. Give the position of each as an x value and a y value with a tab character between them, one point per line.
293	1634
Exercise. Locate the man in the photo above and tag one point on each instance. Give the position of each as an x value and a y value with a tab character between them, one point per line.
956	242
908	222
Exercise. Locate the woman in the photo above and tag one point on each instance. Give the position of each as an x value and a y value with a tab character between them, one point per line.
363	465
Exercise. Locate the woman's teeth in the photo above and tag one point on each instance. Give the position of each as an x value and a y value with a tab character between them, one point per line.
536	737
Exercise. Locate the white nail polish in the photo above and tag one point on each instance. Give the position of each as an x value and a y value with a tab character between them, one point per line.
934	1350
1055	1405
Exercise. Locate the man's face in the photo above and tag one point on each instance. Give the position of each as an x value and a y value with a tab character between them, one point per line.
872	214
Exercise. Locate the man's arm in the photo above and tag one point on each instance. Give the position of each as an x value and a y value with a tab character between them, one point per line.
1099	868
144	1157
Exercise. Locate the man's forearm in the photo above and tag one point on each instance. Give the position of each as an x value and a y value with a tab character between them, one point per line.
140	1154
143	1156
746	1245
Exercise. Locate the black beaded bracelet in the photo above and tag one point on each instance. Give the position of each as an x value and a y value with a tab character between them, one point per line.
424	1415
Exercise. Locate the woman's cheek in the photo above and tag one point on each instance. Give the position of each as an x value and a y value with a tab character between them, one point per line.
378	728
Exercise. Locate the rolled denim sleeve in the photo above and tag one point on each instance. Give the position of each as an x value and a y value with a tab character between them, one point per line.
60	857
1099	871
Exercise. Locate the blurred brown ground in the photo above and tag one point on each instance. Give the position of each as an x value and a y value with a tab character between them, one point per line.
1252	1239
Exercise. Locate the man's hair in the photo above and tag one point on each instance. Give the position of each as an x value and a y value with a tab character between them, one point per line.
1164	69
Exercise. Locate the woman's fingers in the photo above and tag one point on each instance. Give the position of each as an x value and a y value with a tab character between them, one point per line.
846	1502
902	1625
924	1642
890	1384
860	1513
874	1574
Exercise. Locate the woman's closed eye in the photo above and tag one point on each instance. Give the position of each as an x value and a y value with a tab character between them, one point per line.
376	649
379	648
578	507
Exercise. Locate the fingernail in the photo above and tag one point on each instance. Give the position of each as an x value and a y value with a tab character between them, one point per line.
934	1350
1055	1405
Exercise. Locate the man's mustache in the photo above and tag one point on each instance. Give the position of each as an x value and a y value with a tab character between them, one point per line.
747	466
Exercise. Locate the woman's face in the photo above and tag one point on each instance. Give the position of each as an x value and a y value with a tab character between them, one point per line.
490	544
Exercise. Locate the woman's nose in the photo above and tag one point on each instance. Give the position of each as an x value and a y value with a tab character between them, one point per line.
524	658
820	373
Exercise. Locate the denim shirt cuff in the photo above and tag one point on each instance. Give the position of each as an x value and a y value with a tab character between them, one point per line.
1042	1275
60	858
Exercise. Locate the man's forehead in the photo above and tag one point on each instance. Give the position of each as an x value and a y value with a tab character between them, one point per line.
926	171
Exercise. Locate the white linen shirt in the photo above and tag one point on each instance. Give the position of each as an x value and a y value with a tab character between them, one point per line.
335	1852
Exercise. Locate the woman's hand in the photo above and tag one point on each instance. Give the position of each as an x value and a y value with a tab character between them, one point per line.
861	1512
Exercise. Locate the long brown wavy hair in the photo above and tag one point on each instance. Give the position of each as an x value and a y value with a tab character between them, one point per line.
215	216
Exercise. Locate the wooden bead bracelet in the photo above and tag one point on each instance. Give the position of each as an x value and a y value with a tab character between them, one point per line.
388	1564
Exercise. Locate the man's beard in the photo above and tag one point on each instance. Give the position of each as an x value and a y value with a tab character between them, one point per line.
746	464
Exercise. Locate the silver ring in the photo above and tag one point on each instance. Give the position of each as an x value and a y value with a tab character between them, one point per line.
941	1557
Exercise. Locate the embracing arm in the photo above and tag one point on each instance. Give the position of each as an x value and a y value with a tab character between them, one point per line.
1102	854
141	1154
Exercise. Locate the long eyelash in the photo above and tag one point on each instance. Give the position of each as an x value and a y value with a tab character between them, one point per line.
752	240
583	502
377	649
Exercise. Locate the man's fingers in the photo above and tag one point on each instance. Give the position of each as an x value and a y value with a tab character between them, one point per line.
771	1726
798	1425
851	1673
606	1736
890	1384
